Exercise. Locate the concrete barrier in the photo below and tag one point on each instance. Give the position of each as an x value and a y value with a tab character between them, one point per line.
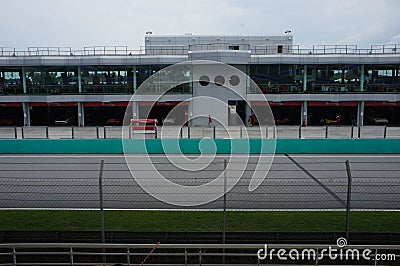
195	146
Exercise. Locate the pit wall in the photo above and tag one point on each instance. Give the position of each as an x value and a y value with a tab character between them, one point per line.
196	146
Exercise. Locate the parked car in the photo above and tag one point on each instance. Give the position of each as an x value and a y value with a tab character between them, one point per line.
379	120
282	121
327	121
113	121
7	122
169	121
62	121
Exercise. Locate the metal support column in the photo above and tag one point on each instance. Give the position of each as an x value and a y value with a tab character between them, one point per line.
24	81
303	118
305	79
135	110
79	79
360	113
134	79
362	79
248	113
27	114
81	114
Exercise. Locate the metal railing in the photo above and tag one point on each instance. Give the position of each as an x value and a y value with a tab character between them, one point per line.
183	50
190	254
196	132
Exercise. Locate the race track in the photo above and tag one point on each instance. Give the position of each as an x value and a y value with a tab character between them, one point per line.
294	182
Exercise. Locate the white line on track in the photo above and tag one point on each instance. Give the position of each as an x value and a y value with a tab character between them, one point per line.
195	155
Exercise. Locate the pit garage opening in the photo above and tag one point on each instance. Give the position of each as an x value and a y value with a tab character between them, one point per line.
11	114
54	114
166	113
286	113
325	113
104	113
382	113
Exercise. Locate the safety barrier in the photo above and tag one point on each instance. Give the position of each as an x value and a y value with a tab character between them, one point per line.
197	146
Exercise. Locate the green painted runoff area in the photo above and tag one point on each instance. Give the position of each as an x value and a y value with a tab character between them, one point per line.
196	146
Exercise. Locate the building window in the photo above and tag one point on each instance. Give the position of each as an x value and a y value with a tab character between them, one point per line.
233	47
280	48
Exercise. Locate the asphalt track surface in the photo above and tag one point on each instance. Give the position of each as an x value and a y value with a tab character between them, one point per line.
293	182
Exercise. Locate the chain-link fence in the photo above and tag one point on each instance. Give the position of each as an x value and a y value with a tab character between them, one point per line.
293	182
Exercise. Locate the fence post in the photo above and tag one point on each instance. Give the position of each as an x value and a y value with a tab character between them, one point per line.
200	257
348	206
299	132
103	240
71	256
384	132
224	226
155	132
15	133
266	132
181	133
188	132
186	259
22	132
352	131
72	133
47	132
97	132
326	131
214	133
241	132
359	132
14	257
104	133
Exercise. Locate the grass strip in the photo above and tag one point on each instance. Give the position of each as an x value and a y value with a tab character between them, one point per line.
199	221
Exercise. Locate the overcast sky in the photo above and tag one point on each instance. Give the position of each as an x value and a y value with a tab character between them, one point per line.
79	23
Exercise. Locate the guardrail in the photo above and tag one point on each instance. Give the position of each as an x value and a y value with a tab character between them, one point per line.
215	132
193	254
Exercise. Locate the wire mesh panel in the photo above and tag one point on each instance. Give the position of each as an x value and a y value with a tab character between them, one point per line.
8	132
86	132
312	132
60	132
34	132
393	132
341	132
112	132
287	132
368	132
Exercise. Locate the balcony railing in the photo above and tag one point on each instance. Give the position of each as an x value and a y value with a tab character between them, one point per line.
184	49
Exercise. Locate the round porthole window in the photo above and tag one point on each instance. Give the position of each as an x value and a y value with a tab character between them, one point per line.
219	80
204	80
234	80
